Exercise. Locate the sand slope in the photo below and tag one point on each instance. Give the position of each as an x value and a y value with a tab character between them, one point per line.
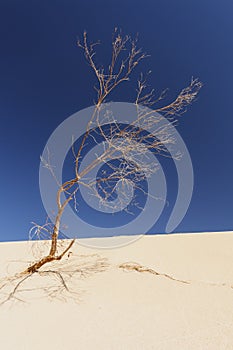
129	310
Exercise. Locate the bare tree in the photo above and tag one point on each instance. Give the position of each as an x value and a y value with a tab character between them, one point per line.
125	57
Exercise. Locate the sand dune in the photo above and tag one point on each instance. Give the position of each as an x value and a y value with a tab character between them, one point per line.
161	292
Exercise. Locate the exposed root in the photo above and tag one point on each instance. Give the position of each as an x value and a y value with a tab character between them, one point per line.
58	281
47	259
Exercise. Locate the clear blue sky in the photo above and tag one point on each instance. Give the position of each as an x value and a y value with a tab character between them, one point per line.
44	79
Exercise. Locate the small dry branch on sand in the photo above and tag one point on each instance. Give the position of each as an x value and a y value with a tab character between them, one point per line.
133	266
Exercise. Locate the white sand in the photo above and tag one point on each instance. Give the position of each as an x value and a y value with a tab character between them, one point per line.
130	310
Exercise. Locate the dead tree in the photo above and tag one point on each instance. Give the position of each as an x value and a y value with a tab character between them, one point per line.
125	57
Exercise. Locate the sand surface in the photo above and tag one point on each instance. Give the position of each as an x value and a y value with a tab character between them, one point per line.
146	305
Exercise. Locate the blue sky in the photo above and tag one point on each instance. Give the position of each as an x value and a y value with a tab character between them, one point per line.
45	79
